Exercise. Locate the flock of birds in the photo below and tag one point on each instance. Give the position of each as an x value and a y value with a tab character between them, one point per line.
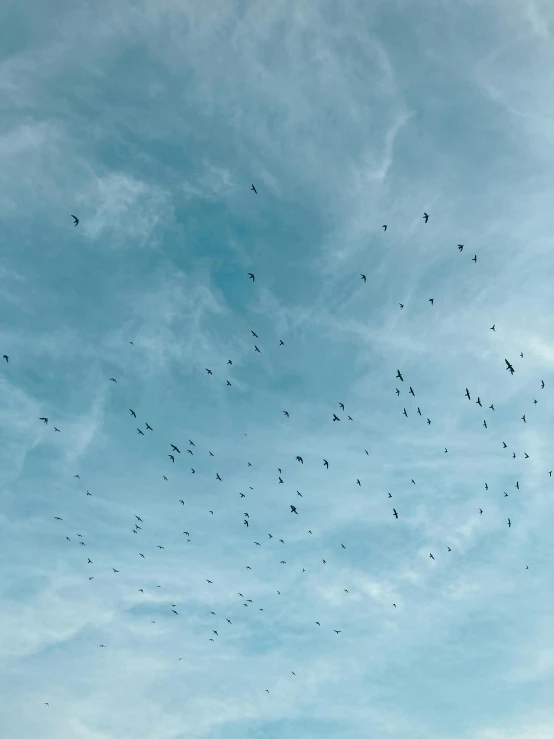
174	451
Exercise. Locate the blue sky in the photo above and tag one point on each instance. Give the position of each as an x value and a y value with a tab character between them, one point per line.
150	121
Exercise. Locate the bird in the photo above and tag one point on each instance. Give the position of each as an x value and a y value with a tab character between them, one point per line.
113	568
112	379
480	511
468	396
394	513
385	227
171	457
245	522
492	328
57	518
341	406
397	391
159	546
509	524
281	342
432	301
425	217
286	413
390	496
411	391
209	371
486	486
523	418
491	406
299	459
460	247
504	445
133	413
521	354
431	556
429	421
364	278
342	545
45	421
75	220
419	411
140	432
256	349
399	375
254	334
358	482
474	259
164	477
401	306
336	632
5	356
335	417
174	611
449	549
404	411
175	449
542	384
478	401
534	401
526	455
445	450
293	509
254	189
485	424
252	276
326	463
509	367
217	477
228	385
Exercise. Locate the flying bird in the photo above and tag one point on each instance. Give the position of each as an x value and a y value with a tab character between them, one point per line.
395	514
293	509
432	301
509	524
401	306
286	413
425	217
299	459
75	220
335	417
133	413
431	556
364	278
326	463
209	371
140	432
411	391
45	421
399	375
509	367
404	411
175	449
149	428
252	277
492	328
171	457
5	356
112	379
460	247
474	259
254	189
385	227
468	396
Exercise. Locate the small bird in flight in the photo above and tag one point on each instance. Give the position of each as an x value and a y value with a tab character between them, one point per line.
509	367
509	524
175	448
432	301
401	306
394	513
425	217
474	259
5	356
171	457
45	421
293	509
384	227
326	463
399	375
431	556
133	413
149	428
75	220
252	276
364	278
254	189
460	247
492	328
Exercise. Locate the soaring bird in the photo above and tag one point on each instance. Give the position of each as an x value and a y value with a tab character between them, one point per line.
478	401
171	457
509	524
149	428
480	511
364	278
523	418
133	413
335	417
217	477
394	513
397	391
425	217
485	424
293	509
399	375
509	367
542	384
45	421
209	371
336	632
326	463
493	327
432	300
431	556
404	411
254	189
175	449
140	432
299	459
384	227
112	379
468	396
5	356
286	413
460	247
252	277
411	391
474	259
401	306
254	334
57	518
281	342
75	220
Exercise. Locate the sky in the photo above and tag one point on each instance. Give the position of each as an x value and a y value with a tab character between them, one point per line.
150	121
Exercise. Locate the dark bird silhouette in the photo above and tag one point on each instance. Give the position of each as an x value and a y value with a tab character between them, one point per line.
485	424
358	482
209	371
404	411
523	418
492	328
504	445
133	413
509	524
385	227
542	384
299	459
526	455
149	428
534	401
75	220
326	463
254	334
245	522
397	391
432	301
509	367
491	406
256	349
171	457
286	413
140	432
293	509
281	342
399	375
45	420
175	449
335	417
164	477
217	477
425	217
429	421
480	511
468	396
418	411
411	391
460	247
5	356
252	277
394	513
478	401
341	406
336	632
113	568
364	278
112	379
210	581
254	189
474	259
431	556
